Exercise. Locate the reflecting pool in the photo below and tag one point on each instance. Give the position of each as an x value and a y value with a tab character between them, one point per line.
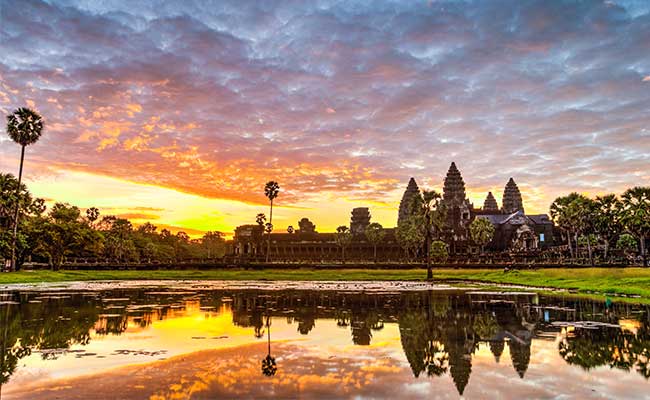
162	340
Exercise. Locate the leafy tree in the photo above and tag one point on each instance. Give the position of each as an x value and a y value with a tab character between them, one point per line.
214	244
429	208
10	198
64	233
92	214
290	229
481	231
627	243
635	215
410	234
375	234
24	127
607	224
271	190
561	215
343	239
439	251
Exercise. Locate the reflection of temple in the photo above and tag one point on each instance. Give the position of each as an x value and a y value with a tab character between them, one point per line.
440	332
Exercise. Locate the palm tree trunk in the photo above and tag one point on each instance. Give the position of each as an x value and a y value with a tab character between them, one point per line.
643	255
429	272
375	253
268	239
591	258
568	239
20	178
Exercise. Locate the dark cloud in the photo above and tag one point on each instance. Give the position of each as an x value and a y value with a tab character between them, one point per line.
345	97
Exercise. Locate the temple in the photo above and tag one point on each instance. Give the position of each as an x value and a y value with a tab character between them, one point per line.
515	231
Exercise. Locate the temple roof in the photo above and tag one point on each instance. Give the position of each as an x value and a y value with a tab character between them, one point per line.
411	191
512	198
454	187
490	203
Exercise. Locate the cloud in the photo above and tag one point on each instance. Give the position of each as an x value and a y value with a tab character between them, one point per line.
341	98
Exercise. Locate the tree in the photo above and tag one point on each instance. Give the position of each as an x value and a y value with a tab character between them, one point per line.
410	234
571	214
92	214
581	212
627	243
64	233
607	224
429	205
271	190
213	244
439	251
24	127
635	215
14	196
343	239
481	231
375	234
290	229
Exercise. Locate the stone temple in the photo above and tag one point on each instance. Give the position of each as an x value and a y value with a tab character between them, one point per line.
514	230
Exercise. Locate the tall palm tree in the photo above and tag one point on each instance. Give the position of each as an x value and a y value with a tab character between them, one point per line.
430	203
271	190
24	127
635	215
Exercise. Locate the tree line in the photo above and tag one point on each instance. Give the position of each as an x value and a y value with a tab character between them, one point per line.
604	222
67	232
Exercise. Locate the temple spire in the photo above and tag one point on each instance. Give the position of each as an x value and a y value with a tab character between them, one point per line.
454	187
512	201
405	205
490	203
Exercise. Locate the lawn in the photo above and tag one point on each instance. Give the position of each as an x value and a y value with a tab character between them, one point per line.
629	281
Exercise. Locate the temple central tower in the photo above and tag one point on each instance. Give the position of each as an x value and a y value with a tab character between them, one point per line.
453	192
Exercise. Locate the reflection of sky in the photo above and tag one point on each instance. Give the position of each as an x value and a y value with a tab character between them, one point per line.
323	363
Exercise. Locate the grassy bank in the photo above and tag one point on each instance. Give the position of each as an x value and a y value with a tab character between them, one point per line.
629	281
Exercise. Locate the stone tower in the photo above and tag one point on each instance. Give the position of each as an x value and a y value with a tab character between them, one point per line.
360	220
412	190
512	198
453	192
490	204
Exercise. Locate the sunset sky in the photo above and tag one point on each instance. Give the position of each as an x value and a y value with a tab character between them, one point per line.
179	112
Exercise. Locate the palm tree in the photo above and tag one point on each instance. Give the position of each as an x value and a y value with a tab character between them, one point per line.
24	127
635	215
343	239
482	231
430	205
607	223
271	190
560	213
375	234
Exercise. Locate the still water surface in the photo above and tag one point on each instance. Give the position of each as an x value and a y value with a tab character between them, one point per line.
196	340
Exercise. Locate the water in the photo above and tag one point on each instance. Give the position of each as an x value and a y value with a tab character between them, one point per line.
196	340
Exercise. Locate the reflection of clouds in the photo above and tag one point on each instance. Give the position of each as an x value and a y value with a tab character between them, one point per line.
302	372
334	97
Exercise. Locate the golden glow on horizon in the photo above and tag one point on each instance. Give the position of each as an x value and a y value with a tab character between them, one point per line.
194	214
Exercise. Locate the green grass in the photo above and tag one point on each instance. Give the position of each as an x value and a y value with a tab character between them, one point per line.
628	281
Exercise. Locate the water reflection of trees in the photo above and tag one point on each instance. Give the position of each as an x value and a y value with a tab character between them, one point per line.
440	332
612	347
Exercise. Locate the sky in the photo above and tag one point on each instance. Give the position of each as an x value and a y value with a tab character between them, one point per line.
178	112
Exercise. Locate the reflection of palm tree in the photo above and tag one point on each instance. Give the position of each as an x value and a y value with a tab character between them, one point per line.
269	367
